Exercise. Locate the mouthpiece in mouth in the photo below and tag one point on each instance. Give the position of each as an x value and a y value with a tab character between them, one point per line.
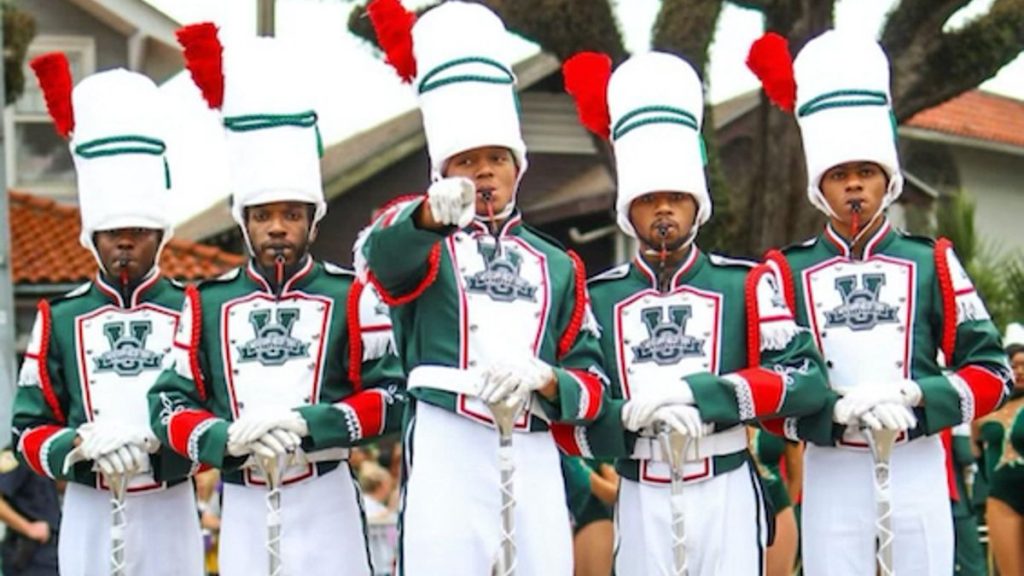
855	208
279	268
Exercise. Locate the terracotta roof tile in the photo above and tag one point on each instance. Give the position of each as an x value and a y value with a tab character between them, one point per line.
45	248
976	114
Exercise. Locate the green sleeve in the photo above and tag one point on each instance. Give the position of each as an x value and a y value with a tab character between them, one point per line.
398	252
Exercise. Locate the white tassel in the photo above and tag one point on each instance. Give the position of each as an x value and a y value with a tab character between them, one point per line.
778	335
377	344
590	323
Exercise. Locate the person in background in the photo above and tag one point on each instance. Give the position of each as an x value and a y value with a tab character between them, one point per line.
591	488
30	508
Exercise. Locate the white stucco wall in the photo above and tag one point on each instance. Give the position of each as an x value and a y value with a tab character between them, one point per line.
996	182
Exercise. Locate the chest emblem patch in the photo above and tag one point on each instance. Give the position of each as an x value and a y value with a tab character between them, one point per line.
861	308
501	280
274	344
667	341
128	355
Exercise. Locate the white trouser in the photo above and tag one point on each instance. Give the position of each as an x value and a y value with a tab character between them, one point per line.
451	518
162	536
838	513
724	517
321	528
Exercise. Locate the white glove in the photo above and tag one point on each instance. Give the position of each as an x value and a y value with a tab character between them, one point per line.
681	418
638	413
890	416
253	427
861	399
105	436
127	460
510	381
277	442
452	201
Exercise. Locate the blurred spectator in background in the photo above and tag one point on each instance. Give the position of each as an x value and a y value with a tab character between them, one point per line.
591	488
208	491
30	507
377	487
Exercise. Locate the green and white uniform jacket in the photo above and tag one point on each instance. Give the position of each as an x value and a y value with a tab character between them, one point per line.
722	328
322	346
456	304
886	317
94	356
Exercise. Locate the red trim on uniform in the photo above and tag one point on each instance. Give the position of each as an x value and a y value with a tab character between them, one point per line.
580	307
754	314
788	286
32	444
595	390
180	426
46	316
355	336
948	342
767	387
987	388
433	265
192	294
947	446
565	439
369	406
775	426
391	208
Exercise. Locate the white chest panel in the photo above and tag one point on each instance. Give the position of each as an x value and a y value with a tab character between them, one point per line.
120	355
273	350
861	314
504	302
662	337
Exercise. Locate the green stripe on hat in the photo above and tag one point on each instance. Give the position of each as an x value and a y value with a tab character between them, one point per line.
250	122
116	145
506	76
647	115
843	99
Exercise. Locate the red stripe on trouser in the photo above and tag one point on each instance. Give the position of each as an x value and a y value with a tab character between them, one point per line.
766	386
180	427
986	387
369	408
32	446
565	438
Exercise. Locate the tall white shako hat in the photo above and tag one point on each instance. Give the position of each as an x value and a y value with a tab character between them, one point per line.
453	56
114	123
265	98
652	110
843	103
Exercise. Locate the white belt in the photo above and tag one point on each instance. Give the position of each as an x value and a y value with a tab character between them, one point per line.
728	442
458	381
303	458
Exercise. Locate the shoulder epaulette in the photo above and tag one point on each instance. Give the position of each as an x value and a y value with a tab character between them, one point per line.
799	245
926	240
228	276
335	270
719	260
620	271
544	236
177	283
75	293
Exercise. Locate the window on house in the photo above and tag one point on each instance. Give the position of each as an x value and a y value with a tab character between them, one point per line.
38	159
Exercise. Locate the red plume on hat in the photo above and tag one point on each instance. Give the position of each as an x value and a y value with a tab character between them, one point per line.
393	25
769	59
586	79
204	60
54	74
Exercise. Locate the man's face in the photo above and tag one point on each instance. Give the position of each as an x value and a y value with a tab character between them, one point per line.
283	228
128	252
847	184
663	218
492	169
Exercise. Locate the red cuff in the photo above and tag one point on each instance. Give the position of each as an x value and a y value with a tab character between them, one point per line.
591	393
986	387
767	389
32	446
369	408
180	426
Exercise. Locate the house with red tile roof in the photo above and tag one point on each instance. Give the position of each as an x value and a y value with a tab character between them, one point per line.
973	143
47	260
